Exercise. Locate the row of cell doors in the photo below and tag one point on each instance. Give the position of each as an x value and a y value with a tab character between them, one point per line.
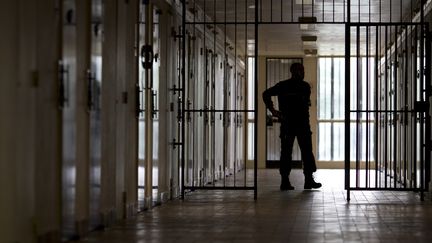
68	83
199	121
147	88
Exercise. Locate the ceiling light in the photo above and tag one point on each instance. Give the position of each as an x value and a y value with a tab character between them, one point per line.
307	19
309	40
310	52
304	1
307	23
304	26
252	6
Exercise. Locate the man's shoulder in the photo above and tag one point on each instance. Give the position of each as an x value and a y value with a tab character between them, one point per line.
291	82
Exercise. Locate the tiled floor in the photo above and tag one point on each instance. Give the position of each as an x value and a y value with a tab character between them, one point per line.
293	216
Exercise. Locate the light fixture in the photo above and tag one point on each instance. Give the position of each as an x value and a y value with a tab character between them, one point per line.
307	23
309	40
310	52
304	2
251	6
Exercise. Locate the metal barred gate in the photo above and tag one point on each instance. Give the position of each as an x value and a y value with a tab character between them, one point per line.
387	125
387	122
213	105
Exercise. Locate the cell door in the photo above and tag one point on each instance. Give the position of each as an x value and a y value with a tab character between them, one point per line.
387	125
94	104
147	113
67	68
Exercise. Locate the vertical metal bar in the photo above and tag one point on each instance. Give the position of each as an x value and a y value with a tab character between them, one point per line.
385	105
271	10
323	11
347	100
182	92
359	11
390	12
292	10
369	11
358	107
422	114
261	10
413	99
205	86
225	75
377	107
405	141
235	69
281	11
427	97
380	11
395	107
400	5
247	98
332	104
333	10
367	106
411	11
256	106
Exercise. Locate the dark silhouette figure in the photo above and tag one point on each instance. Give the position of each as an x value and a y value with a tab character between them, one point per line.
294	101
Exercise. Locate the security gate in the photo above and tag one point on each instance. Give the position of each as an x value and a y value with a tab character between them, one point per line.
387	122
212	105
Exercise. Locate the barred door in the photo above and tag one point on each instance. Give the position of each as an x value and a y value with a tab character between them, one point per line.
387	125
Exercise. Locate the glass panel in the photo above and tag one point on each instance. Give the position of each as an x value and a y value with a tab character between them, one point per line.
339	89
338	144
331	108
251	137
324	141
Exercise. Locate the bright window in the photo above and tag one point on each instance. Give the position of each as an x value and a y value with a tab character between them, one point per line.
331	108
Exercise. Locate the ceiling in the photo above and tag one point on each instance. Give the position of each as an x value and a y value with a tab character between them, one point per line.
286	39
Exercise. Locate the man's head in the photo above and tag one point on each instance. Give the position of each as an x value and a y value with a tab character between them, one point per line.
297	71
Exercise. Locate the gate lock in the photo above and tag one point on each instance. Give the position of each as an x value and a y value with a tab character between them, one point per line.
147	56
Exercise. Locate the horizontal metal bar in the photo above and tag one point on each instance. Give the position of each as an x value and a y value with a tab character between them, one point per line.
386	189
298	22
360	24
383	111
237	188
259	23
212	110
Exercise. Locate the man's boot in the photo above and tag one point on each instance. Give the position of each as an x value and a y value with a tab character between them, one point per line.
310	183
286	185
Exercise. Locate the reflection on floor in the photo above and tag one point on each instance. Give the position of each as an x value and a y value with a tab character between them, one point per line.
293	216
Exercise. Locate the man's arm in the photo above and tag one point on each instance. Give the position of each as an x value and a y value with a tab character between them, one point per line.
267	94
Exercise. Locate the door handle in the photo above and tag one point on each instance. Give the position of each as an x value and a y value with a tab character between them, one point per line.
154	103
90	90
63	75
146	56
138	93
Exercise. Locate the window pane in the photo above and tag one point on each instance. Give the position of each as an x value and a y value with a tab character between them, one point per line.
251	137
324	141
338	141
339	88
251	85
331	109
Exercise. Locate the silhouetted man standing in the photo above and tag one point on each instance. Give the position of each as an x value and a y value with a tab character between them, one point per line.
294	101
